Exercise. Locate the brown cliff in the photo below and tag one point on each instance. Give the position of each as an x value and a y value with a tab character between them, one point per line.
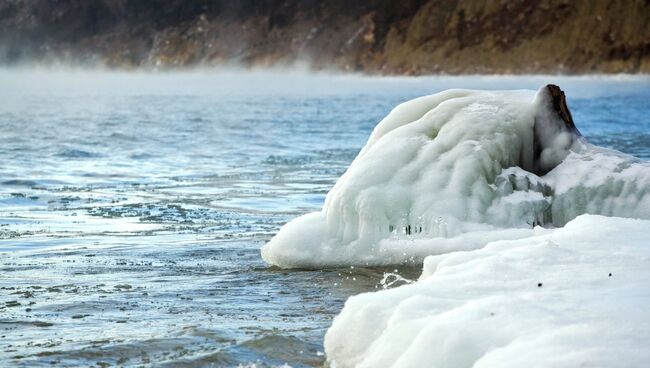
390	37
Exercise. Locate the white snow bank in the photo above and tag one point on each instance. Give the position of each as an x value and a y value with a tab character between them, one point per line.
455	170
485	308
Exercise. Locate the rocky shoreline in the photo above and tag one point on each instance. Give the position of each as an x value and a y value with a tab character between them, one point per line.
385	37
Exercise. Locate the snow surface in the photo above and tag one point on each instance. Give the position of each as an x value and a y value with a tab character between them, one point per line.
547	300
454	171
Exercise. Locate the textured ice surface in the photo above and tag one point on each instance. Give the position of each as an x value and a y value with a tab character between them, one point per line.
454	171
576	296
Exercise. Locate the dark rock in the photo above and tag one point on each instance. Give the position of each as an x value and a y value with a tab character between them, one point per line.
554	131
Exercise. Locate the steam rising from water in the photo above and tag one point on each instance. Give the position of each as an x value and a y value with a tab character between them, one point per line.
258	82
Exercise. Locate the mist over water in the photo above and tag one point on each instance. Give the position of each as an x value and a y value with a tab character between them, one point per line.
133	205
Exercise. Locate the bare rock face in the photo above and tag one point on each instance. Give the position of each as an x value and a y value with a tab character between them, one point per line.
554	132
390	37
560	106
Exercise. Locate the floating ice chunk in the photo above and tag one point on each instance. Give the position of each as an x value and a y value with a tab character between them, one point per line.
458	169
569	297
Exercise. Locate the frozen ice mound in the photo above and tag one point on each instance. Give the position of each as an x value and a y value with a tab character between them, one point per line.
456	170
575	296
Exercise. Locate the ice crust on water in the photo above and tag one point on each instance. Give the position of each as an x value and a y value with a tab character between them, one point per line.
547	300
455	171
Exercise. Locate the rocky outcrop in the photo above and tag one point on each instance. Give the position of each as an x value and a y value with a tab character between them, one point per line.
554	132
377	36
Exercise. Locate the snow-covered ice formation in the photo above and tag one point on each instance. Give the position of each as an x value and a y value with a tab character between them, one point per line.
503	200
456	170
575	296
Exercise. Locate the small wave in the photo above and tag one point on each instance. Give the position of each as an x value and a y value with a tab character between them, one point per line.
141	156
33	183
122	136
76	153
342	155
24	323
20	183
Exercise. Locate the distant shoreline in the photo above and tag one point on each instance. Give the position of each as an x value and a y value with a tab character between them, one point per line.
411	37
297	68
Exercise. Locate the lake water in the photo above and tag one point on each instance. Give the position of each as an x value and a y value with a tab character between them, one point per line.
133	206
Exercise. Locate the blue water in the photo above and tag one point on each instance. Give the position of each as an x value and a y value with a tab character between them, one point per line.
133	206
